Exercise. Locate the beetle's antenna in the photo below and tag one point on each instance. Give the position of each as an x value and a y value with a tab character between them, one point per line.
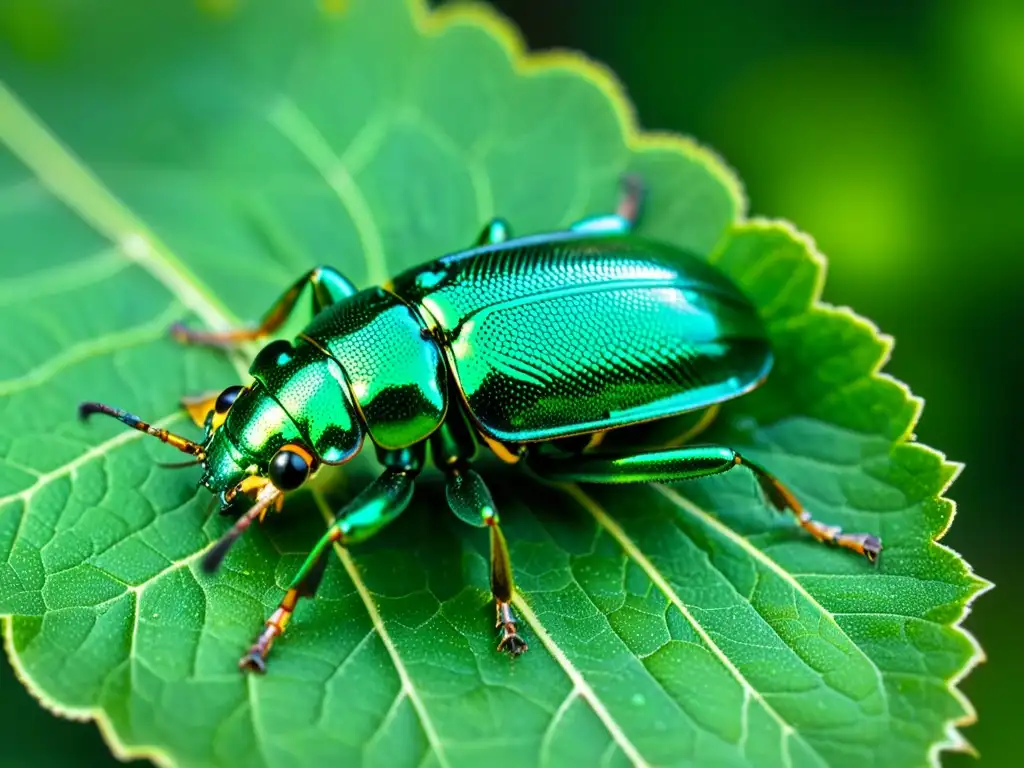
179	464
85	410
268	495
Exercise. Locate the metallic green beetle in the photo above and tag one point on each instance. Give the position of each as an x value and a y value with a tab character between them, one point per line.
534	347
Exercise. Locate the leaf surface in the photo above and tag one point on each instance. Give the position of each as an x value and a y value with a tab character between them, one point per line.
191	161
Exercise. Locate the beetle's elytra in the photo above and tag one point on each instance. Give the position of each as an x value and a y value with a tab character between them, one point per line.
527	346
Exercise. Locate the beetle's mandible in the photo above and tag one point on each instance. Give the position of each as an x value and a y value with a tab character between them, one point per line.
533	347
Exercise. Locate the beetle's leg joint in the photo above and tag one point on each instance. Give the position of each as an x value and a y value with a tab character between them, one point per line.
255	659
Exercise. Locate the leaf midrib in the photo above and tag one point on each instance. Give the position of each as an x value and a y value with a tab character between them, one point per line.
70	181
30	140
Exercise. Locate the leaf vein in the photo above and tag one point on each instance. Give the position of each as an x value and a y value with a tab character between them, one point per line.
70	181
371	608
549	732
297	127
631	549
94	347
798	588
57	280
579	682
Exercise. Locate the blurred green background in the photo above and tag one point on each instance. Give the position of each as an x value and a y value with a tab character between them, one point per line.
894	134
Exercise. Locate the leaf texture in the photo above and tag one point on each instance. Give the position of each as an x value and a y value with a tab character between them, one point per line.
191	161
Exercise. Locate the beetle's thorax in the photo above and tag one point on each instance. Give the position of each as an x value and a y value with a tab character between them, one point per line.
394	368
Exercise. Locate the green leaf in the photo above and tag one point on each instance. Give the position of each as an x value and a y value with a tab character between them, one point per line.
164	160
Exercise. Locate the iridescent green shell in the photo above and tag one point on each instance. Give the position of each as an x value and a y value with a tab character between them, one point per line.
311	388
395	371
544	337
562	334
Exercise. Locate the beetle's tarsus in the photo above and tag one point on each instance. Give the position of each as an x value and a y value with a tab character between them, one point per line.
510	639
780	497
253	662
866	544
216	339
255	659
631	202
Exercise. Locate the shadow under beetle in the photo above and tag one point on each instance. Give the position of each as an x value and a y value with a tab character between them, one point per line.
533	347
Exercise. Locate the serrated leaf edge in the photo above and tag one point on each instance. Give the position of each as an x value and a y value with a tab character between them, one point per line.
955	741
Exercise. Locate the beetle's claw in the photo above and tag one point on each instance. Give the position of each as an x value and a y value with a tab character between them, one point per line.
872	547
865	544
511	641
180	332
253	661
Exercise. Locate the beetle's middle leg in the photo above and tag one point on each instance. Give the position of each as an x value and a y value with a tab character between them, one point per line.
674	464
371	510
329	286
471	501
452	447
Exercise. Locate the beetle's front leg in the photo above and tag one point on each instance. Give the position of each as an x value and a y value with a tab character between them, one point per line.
674	464
376	505
329	287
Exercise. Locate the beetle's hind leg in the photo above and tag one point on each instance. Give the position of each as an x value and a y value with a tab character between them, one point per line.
626	215
329	286
669	465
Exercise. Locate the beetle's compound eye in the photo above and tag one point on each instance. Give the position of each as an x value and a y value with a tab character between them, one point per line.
290	467
226	399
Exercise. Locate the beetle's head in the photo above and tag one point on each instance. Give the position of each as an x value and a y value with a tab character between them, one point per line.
251	448
224	466
251	443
